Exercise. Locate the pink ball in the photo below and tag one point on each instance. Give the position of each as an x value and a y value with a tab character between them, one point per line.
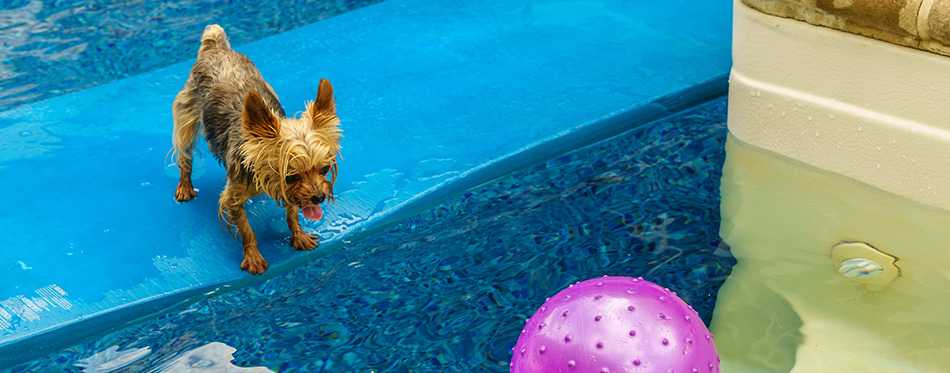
615	324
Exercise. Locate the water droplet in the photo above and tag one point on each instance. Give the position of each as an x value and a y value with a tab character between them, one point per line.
542	309
637	362
541	350
633	333
687	318
571	363
666	341
600	283
662	316
600	344
598	296
662	299
26	133
565	313
597	318
630	308
567	338
604	370
689	341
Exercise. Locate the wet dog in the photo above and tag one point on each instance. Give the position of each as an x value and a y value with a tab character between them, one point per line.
293	160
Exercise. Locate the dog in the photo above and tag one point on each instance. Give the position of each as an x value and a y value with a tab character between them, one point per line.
292	160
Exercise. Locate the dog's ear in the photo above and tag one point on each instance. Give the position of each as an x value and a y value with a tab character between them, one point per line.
323	105
258	120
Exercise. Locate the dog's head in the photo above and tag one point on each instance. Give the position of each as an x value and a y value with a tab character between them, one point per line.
294	160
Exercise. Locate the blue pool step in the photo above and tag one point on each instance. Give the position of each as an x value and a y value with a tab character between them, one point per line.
434	97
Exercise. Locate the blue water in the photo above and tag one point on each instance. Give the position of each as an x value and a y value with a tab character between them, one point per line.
49	48
449	289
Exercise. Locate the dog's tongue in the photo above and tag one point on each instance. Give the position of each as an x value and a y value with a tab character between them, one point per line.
313	212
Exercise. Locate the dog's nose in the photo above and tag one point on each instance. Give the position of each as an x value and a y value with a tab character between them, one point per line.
317	199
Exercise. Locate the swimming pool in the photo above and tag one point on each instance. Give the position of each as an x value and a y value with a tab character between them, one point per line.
449	289
415	86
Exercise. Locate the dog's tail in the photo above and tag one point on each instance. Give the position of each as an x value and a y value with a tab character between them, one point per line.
214	37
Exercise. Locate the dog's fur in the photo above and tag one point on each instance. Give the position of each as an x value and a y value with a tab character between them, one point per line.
292	160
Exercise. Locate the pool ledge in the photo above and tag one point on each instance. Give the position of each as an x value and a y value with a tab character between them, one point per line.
434	98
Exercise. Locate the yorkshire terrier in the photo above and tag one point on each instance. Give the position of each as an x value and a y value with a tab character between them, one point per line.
293	160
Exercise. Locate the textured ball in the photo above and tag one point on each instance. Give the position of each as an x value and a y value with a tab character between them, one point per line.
615	324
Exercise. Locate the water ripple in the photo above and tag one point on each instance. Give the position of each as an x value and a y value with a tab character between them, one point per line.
52	48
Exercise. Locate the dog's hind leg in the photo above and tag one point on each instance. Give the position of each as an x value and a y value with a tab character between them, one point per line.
185	115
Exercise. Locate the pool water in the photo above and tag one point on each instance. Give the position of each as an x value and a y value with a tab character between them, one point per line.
450	288
52	48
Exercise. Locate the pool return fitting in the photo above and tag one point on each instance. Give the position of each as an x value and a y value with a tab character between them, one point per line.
865	264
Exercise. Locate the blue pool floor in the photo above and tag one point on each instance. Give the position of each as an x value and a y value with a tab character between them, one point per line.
449	289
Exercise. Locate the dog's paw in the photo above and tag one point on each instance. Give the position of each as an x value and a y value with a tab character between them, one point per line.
254	264
304	241
185	192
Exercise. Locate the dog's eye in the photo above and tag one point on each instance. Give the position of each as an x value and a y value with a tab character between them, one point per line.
290	179
324	170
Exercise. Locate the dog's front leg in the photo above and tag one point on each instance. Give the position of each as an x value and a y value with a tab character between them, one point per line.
232	203
301	240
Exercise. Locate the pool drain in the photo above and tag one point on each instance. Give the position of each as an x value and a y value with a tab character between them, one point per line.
865	264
